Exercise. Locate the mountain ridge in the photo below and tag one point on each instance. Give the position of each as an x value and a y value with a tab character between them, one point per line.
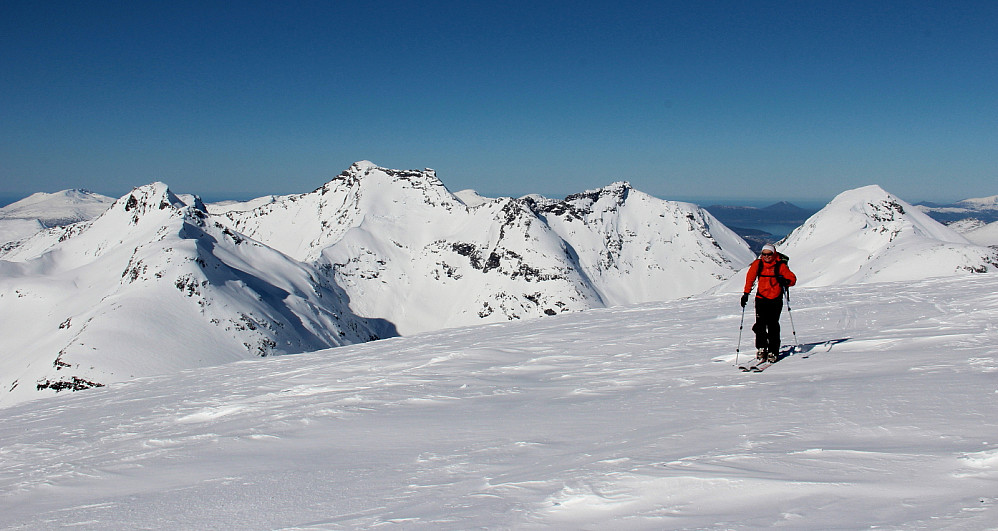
370	254
393	226
103	300
376	252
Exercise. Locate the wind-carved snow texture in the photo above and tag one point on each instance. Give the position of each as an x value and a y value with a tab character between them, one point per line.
621	418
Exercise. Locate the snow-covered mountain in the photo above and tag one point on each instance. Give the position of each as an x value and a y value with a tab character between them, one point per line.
41	210
14	229
154	285
60	208
222	207
982	208
977	231
157	283
869	235
980	203
624	418
636	248
406	249
985	234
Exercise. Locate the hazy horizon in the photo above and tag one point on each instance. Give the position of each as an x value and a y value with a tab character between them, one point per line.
705	201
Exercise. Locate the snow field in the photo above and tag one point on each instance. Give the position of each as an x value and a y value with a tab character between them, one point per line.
619	418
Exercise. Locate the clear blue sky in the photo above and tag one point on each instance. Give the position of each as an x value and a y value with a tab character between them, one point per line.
695	99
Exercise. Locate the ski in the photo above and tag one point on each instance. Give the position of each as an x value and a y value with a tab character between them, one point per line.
761	365
804	351
758	367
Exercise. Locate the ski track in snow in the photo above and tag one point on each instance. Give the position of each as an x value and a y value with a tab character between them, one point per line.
620	418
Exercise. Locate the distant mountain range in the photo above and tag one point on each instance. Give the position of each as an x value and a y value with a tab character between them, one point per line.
983	209
158	282
976	219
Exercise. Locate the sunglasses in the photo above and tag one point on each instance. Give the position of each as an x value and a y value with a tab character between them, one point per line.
767	253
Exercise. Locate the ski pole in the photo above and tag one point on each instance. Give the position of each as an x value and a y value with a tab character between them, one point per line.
741	324
786	291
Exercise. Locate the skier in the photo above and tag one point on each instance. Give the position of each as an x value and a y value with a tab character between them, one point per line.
773	277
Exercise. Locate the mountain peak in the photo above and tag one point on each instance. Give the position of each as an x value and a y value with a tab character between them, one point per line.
869	192
615	192
150	198
363	165
367	171
869	235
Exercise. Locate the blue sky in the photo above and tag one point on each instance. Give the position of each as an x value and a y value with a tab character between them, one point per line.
700	100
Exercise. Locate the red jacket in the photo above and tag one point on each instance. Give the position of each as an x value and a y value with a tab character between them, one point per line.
769	287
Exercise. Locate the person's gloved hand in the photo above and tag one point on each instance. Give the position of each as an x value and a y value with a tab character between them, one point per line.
785	282
744	299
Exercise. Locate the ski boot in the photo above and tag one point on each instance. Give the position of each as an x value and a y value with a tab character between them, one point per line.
760	354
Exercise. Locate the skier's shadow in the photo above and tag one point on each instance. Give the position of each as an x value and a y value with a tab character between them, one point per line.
805	350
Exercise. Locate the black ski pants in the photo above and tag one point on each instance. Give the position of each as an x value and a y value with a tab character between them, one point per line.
767	323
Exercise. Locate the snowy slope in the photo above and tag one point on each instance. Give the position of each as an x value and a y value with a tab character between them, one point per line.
304	225
980	203
967	206
869	235
26	217
407	250
983	235
980	208
636	248
222	207
157	283
623	418
471	198
60	208
977	231
12	230
966	225
153	286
